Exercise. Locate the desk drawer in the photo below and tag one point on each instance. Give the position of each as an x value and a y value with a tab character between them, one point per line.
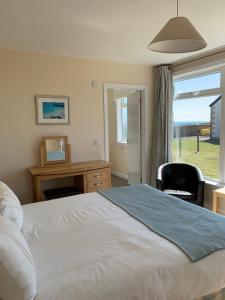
93	186
97	176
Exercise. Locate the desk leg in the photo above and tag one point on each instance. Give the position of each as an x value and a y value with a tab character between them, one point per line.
36	189
85	183
215	202
110	177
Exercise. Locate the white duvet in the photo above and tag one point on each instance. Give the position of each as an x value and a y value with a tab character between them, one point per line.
86	248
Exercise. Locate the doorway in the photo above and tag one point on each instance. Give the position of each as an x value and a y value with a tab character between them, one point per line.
124	113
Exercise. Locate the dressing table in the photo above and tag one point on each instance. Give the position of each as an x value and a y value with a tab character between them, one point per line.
87	176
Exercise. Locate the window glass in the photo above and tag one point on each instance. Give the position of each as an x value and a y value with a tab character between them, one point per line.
195	84
196	137
122	120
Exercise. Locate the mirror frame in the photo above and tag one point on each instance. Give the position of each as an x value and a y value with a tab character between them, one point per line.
44	160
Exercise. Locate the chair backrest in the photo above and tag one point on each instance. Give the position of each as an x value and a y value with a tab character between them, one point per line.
180	176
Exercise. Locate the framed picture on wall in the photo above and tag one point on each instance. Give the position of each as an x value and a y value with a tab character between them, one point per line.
52	110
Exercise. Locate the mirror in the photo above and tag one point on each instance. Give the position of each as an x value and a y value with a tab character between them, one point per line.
55	150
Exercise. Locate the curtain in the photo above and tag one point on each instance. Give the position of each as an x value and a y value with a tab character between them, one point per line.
162	120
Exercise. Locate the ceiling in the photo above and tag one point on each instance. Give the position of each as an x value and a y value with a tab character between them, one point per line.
113	30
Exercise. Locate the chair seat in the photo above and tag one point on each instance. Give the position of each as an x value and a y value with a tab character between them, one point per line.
181	194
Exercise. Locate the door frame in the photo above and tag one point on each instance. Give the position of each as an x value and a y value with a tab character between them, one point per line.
144	118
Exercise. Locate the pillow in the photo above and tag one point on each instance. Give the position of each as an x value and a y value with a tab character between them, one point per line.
17	271
10	206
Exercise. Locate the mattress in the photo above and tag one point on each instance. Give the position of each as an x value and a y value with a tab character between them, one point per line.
84	247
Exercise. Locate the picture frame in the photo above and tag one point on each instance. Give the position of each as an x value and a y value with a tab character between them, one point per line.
52	110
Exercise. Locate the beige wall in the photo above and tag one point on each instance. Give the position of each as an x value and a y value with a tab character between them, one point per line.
118	154
24	75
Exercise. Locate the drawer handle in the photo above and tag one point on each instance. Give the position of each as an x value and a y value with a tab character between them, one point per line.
97	176
97	184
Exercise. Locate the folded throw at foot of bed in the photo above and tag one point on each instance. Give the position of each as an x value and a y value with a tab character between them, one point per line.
197	231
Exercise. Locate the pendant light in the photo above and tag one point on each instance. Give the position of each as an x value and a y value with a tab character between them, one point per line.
177	36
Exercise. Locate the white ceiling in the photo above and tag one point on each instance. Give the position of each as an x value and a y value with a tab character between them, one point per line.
113	30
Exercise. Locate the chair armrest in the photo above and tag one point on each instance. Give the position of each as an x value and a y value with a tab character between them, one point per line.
159	172
159	184
200	175
200	193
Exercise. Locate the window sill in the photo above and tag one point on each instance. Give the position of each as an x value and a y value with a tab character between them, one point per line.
214	183
121	145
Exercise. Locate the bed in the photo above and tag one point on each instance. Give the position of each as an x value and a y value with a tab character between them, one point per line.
85	247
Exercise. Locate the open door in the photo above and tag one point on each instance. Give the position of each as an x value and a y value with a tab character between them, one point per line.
134	137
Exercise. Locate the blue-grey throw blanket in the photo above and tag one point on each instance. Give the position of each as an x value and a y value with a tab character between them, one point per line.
195	230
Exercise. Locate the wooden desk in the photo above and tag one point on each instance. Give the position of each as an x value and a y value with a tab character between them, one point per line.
217	195
88	176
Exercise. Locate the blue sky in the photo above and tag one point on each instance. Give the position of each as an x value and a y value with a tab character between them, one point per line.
195	109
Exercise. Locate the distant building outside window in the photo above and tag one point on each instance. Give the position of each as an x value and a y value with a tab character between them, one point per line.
122	120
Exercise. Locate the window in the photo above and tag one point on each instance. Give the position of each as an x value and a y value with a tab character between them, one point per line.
122	120
197	123
196	84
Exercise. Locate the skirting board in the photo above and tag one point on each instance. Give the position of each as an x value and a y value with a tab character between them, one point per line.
121	175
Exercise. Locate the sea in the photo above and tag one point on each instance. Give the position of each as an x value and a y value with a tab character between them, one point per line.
191	123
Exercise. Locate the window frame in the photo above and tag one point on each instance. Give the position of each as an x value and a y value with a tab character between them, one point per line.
204	93
119	121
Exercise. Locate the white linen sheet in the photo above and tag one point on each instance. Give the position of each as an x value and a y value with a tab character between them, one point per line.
86	248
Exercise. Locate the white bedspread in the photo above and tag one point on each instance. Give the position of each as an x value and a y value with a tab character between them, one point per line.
86	248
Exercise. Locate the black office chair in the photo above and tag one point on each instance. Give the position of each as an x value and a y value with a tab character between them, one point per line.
181	180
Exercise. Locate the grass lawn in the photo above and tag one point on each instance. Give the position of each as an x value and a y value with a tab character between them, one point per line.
207	159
